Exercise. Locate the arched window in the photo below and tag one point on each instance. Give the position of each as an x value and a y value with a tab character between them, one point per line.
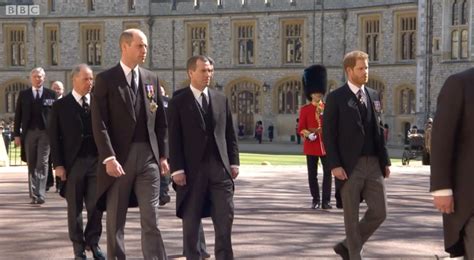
455	13
245	102
464	45
455	44
407	101
11	95
459	29
290	96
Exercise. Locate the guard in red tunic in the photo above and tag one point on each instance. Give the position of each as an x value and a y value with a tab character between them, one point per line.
310	128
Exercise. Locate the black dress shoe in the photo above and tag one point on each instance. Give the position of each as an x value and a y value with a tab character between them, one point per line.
97	253
339	204
205	255
80	256
33	201
40	201
164	200
341	250
315	205
326	205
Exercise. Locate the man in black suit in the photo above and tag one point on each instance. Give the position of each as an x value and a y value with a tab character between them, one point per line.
129	125
74	156
452	179
356	153
204	159
31	117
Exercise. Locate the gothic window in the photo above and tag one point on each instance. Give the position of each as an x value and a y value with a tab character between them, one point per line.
290	97
459	30
196	4
16	45
92	44
220	3
11	94
293	41
198	39
245	86
371	36
52	6
407	37
245	37
131	5
52	44
407	101
91	5
379	87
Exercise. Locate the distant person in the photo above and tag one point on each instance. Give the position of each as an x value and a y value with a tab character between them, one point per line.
357	155
31	115
270	132
164	198
427	152
259	131
241	130
385	132
452	149
298	136
58	87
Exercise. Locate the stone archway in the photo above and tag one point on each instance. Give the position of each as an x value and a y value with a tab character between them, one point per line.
246	101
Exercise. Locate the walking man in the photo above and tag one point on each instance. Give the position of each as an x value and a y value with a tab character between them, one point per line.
356	153
31	117
452	179
74	156
129	125
204	159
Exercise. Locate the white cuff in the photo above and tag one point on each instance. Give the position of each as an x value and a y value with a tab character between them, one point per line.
108	159
444	192
177	172
235	166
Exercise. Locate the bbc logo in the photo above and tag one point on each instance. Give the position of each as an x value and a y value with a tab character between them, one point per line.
22	9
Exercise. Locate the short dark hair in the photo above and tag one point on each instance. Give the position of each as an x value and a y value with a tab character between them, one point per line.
191	64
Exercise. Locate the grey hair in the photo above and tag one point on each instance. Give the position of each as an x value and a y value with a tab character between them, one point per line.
78	69
39	70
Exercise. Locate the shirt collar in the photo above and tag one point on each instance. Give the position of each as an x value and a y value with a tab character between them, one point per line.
78	97
127	70
197	92
34	89
356	89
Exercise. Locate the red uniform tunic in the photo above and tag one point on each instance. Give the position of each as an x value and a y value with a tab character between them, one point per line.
310	120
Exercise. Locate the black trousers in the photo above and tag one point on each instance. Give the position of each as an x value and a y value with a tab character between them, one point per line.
212	184
312	163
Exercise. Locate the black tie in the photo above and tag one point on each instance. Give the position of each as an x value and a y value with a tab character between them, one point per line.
37	95
362	105
85	105
133	85
204	105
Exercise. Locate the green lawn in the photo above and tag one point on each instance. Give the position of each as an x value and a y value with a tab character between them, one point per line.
279	159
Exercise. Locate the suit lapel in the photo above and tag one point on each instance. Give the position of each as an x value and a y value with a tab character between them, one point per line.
351	101
124	90
75	109
144	80
194	109
215	105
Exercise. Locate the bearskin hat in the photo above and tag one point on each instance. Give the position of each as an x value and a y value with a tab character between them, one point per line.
314	80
